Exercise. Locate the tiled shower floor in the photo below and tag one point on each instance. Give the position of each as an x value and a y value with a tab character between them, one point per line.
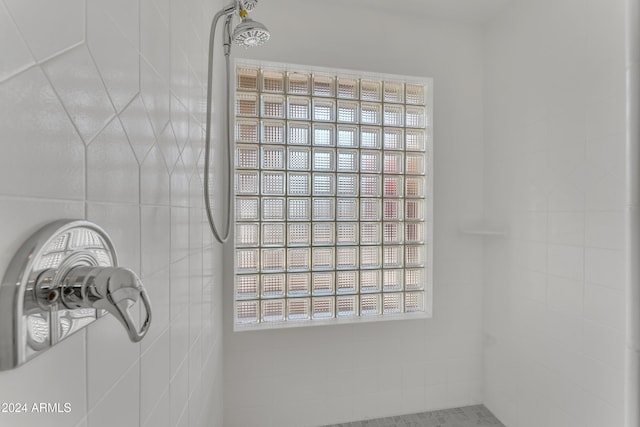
469	416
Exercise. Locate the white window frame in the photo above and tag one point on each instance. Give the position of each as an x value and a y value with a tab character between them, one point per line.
428	200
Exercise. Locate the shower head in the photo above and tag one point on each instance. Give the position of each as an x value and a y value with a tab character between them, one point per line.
248	5
249	33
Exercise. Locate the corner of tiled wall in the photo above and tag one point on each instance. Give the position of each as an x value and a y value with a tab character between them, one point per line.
101	114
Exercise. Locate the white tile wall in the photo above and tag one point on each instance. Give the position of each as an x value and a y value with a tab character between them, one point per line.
98	102
555	174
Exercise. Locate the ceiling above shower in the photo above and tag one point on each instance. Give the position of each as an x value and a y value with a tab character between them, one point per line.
470	11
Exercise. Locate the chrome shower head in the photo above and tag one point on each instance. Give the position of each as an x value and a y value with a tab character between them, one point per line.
249	33
248	5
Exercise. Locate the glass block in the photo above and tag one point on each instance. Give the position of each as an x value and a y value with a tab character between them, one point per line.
273	209
370	90
299	234
273	106
322	308
347	258
322	259
246	260
298	83
370	162
393	139
323	234
273	157
247	78
347	233
370	113
347	306
298	284
322	283
392	232
347	112
272	310
246	182
370	281
324	110
414	232
273	260
393	186
392	210
415	139
414	279
414	209
370	305
414	256
298	309
370	257
299	133
273	81
347	282
246	156
394	92
393	162
348	136
348	88
247	234
414	186
323	184
299	209
247	286
370	209
323	160
246	312
413	302
299	259
324	135
392	280
273	285
392	256
415	94
393	303
247	209
393	115
299	159
347	161
247	130
370	137
299	108
273	183
273	234
416	117
370	186
415	164
323	209
347	209
246	104
347	185
324	85
370	233
299	184
273	132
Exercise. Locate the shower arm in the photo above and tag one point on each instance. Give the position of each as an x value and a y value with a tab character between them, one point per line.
227	11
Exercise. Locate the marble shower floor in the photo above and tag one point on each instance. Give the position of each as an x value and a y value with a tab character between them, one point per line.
469	416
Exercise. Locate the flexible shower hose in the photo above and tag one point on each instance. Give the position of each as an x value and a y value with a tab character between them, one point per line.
222	238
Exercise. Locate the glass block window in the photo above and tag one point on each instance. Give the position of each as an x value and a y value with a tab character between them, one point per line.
333	196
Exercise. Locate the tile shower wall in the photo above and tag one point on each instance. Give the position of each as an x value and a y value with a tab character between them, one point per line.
324	375
555	176
102	118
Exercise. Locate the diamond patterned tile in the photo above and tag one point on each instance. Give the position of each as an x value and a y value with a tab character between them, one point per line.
169	147
155	95
58	25
138	128
47	155
116	57
154	179
79	86
15	53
